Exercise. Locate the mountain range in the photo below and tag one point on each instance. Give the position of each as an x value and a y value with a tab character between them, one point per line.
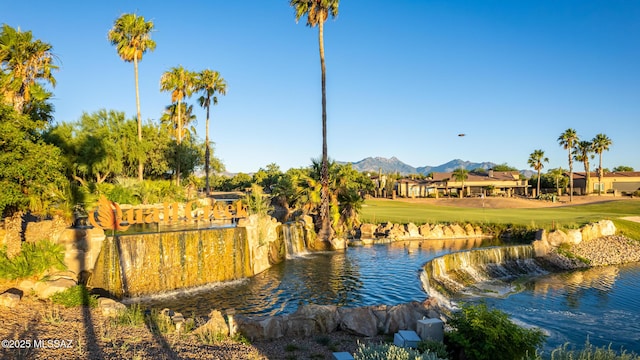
394	165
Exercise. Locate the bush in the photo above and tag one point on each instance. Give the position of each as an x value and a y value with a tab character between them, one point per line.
435	347
480	333
390	352
75	296
34	259
591	353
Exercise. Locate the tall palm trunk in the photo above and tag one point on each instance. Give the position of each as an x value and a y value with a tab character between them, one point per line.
140	162
538	190
179	137
325	218
207	151
600	175
570	175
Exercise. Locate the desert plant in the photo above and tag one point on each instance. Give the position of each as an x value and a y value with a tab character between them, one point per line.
75	296
390	352
132	316
480	333
34	259
591	352
432	346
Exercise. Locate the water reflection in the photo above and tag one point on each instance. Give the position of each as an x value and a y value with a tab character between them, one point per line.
370	275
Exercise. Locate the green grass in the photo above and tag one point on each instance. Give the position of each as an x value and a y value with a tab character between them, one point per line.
379	211
75	296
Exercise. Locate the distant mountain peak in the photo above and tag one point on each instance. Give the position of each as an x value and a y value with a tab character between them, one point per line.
395	165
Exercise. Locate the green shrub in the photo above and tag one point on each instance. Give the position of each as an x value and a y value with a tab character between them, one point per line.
390	352
34	259
132	316
432	346
75	296
591	353
480	333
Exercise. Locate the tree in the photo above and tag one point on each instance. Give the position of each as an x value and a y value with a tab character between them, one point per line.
24	64
317	12
557	174
582	152
461	174
180	82
567	140
29	168
504	167
600	143
536	160
131	35
623	168
209	82
480	333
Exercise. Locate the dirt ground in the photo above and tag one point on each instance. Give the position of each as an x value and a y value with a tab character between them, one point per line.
515	202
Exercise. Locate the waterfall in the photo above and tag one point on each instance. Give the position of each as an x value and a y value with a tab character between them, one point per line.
294	238
487	271
143	264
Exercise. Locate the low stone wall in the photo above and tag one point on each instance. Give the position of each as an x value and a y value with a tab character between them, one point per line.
368	233
310	320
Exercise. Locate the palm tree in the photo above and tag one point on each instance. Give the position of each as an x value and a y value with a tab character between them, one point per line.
26	62
582	152
567	140
131	36
317	12
600	143
557	174
536	159
461	174
169	120
209	82
180	83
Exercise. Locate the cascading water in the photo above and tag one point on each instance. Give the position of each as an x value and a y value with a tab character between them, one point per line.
293	235
487	271
142	264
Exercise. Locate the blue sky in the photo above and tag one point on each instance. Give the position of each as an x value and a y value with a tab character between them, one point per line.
403	77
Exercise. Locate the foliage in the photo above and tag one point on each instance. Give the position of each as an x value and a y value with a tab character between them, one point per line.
432	346
131	316
29	168
257	202
25	66
34	259
591	352
504	167
480	333
630	229
623	168
75	296
390	352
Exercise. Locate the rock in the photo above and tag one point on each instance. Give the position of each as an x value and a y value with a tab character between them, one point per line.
412	230
215	325
425	230
109	307
447	231
469	230
367	231
404	317
458	231
607	228
437	231
44	289
324	317
574	236
358	321
11	297
338	244
557	238
541	248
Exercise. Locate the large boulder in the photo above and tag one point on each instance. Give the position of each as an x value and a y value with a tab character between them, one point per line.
412	230
45	289
324	317
404	317
215	325
557	238
425	230
358	321
367	231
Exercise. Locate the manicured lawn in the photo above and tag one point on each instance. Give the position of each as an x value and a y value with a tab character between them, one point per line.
378	211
